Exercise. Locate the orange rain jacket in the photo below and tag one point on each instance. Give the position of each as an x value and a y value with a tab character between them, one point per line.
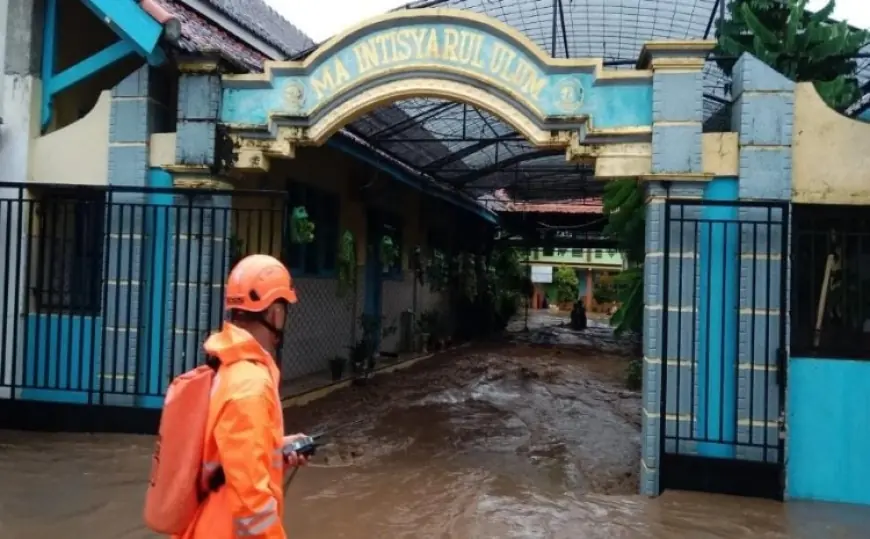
245	433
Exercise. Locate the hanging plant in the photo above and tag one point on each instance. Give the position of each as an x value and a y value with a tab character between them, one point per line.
301	227
437	271
346	262
389	252
468	275
417	264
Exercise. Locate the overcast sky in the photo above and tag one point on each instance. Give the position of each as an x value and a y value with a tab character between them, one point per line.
322	19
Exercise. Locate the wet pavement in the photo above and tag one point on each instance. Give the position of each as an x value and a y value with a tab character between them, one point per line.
526	438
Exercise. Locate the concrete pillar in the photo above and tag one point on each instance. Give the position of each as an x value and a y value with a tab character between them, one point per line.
763	114
200	243
199	98
131	247
677	104
20	57
589	292
199	263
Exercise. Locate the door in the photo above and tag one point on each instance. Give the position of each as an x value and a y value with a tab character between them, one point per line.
721	345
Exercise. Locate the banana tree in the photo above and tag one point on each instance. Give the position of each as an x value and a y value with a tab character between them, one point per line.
625	209
803	46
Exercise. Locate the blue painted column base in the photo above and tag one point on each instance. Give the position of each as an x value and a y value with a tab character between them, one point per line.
719	252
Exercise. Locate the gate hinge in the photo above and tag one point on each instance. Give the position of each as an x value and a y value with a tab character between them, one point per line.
781	367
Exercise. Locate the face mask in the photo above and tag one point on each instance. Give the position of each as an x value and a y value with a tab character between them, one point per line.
278	338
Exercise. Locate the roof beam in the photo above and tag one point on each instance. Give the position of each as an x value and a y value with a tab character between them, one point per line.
467	151
410	121
564	32
505	163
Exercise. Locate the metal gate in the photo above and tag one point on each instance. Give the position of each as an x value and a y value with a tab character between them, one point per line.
723	342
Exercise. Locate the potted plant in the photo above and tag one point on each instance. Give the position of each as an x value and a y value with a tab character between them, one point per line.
336	367
360	358
426	325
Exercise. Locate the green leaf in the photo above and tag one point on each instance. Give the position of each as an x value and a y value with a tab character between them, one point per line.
757	28
823	14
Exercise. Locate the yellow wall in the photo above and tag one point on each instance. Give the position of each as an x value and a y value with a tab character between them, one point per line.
81	34
830	153
77	154
75	147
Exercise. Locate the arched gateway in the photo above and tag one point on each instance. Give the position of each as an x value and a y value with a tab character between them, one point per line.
644	122
461	56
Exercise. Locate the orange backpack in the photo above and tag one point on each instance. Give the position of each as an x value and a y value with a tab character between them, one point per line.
177	485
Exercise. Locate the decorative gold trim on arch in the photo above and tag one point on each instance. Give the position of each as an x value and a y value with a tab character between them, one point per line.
255	150
391	92
497	26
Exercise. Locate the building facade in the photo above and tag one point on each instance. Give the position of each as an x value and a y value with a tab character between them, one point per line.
594	267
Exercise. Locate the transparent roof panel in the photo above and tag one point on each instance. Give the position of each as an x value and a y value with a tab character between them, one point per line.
473	150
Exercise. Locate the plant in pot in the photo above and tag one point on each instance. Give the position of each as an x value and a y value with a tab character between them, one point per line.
336	367
426	326
363	354
361	357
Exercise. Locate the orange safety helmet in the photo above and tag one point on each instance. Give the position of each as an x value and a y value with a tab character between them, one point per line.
257	282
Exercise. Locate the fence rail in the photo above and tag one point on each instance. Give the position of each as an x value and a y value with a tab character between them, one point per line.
108	293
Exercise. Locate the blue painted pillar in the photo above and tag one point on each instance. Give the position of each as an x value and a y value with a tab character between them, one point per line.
159	224
198	109
676	166
133	246
763	115
203	221
718	299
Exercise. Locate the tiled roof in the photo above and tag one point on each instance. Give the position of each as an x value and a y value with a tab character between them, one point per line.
199	34
258	17
501	201
565	206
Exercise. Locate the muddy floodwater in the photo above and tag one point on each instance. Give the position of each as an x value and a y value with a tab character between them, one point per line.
516	439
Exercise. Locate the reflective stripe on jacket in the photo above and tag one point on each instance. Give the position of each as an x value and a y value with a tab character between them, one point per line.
245	434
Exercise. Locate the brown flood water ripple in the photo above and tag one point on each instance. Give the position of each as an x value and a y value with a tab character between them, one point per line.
492	441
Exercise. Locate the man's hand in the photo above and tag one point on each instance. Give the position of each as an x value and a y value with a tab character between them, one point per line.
293	460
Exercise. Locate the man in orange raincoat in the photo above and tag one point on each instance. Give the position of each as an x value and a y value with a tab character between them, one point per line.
245	428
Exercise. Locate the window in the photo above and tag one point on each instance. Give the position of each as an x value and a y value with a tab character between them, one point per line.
577	253
599	253
319	256
830	276
68	244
